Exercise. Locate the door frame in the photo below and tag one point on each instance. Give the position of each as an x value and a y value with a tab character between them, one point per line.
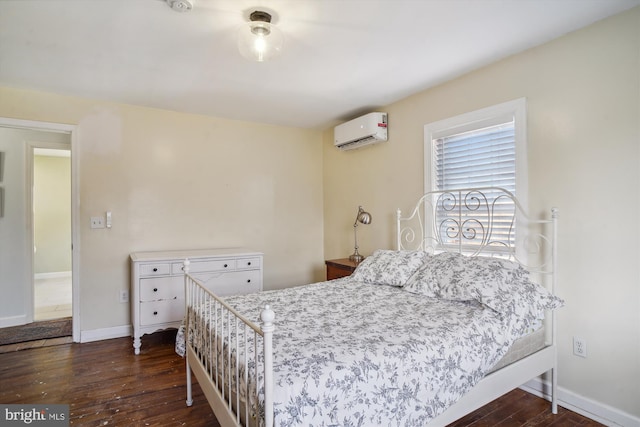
72	130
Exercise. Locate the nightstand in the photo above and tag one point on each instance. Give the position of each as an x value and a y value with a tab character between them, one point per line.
337	268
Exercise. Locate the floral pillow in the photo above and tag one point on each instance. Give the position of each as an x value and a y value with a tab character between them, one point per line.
502	285
427	280
464	278
388	267
525	300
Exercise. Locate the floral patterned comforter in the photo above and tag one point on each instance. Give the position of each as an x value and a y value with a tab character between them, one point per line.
350	353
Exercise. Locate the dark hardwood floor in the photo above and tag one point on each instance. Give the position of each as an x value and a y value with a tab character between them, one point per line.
106	384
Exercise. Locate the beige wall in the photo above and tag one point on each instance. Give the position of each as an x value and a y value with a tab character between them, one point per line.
52	214
583	93
179	181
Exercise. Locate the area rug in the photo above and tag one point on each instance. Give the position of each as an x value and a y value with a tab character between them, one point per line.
36	331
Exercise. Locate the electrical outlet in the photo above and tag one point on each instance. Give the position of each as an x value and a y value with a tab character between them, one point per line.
124	295
579	347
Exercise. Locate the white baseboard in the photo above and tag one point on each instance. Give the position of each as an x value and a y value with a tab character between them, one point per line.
105	333
597	411
6	322
52	275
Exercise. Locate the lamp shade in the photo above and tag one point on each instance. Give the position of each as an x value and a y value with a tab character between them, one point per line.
259	40
364	217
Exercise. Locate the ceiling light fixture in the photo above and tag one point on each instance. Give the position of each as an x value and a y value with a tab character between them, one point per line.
180	5
263	40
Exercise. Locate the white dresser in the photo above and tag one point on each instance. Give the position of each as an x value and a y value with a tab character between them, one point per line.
157	283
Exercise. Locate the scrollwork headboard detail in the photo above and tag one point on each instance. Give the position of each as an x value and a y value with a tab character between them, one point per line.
487	221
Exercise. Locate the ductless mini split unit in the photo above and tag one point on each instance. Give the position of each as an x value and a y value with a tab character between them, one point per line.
368	129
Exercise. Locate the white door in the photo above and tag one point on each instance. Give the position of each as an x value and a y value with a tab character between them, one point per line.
15	266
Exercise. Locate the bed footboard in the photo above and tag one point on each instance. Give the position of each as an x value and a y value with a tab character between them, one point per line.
230	356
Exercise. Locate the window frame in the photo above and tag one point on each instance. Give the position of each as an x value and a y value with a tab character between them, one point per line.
515	110
476	120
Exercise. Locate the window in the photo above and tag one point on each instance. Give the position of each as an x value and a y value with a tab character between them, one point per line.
484	148
483	157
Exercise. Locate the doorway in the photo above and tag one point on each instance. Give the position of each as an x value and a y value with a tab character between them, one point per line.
23	246
51	200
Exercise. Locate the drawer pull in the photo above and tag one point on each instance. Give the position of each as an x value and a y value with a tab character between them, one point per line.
225	266
249	263
155	313
248	280
155	269
155	289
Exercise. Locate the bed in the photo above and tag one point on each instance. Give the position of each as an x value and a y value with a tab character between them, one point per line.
460	312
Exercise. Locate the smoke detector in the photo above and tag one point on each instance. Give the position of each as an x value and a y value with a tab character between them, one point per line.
180	5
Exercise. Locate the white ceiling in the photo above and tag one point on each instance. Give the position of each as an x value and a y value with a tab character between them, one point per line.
341	57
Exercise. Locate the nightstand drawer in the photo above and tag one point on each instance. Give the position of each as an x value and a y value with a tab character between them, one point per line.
155	312
337	268
159	288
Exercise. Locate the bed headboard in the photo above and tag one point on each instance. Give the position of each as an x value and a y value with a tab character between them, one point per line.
487	221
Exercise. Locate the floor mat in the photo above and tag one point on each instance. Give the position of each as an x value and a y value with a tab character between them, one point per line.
36	331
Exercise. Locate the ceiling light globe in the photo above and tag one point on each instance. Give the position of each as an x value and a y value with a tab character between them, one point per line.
260	41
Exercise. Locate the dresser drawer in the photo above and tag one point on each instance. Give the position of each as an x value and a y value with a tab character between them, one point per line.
158	288
210	265
231	283
155	270
244	263
155	312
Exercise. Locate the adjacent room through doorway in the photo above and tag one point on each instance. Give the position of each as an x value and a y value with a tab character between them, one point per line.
52	233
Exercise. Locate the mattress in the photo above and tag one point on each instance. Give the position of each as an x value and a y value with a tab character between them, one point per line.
521	348
377	355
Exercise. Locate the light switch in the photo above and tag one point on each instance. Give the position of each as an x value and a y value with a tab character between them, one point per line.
97	222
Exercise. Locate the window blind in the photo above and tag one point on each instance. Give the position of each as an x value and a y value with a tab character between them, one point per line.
483	157
479	158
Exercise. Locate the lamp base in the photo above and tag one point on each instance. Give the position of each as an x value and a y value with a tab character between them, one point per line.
356	257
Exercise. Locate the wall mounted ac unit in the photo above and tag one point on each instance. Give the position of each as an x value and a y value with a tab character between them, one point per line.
368	129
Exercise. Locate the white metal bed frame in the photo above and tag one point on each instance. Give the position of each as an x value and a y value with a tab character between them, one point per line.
467	221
